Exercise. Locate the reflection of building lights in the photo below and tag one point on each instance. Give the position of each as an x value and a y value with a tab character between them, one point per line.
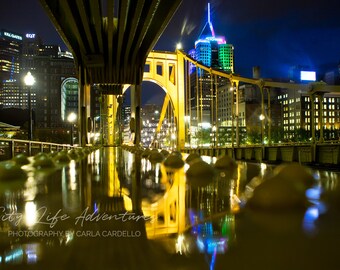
211	245
69	236
157	173
15	255
31	253
263	168
180	247
311	216
73	172
30	213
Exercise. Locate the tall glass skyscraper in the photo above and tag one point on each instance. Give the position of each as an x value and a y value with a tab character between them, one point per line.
10	51
212	51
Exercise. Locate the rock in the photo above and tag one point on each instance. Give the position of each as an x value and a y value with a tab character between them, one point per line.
21	159
174	161
10	170
73	154
296	174
62	157
43	161
40	154
146	153
225	163
193	157
165	153
156	157
276	194
200	174
177	153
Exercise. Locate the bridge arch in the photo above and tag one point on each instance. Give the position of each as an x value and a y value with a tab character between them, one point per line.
166	69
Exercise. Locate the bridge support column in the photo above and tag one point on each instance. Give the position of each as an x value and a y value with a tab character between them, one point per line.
237	112
112	106
217	122
180	103
232	89
83	106
135	113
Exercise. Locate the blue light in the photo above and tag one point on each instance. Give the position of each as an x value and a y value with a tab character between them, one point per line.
213	260
313	193
15	256
311	215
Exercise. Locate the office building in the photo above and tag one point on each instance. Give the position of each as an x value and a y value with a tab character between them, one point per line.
212	51
10	54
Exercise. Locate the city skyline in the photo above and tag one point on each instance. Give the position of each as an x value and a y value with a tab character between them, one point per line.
272	36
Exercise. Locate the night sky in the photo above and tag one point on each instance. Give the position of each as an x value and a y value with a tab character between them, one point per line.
274	35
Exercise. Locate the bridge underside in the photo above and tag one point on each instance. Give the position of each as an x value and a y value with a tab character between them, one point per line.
111	39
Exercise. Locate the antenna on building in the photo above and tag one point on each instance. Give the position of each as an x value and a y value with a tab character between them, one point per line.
210	24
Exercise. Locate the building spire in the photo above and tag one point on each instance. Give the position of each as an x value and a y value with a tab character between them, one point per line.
210	23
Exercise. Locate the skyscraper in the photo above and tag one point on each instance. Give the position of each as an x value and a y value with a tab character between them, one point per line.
55	92
10	51
212	51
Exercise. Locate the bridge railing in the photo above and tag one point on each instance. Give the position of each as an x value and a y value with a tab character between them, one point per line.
12	147
325	153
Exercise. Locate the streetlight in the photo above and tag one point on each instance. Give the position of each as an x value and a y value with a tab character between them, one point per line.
262	118
29	81
71	118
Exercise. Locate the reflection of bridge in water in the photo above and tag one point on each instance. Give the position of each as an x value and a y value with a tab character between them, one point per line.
114	208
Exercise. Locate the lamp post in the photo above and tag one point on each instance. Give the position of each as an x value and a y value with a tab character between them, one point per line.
262	118
29	81
71	118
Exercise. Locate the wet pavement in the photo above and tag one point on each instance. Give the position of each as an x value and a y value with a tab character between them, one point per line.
113	209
